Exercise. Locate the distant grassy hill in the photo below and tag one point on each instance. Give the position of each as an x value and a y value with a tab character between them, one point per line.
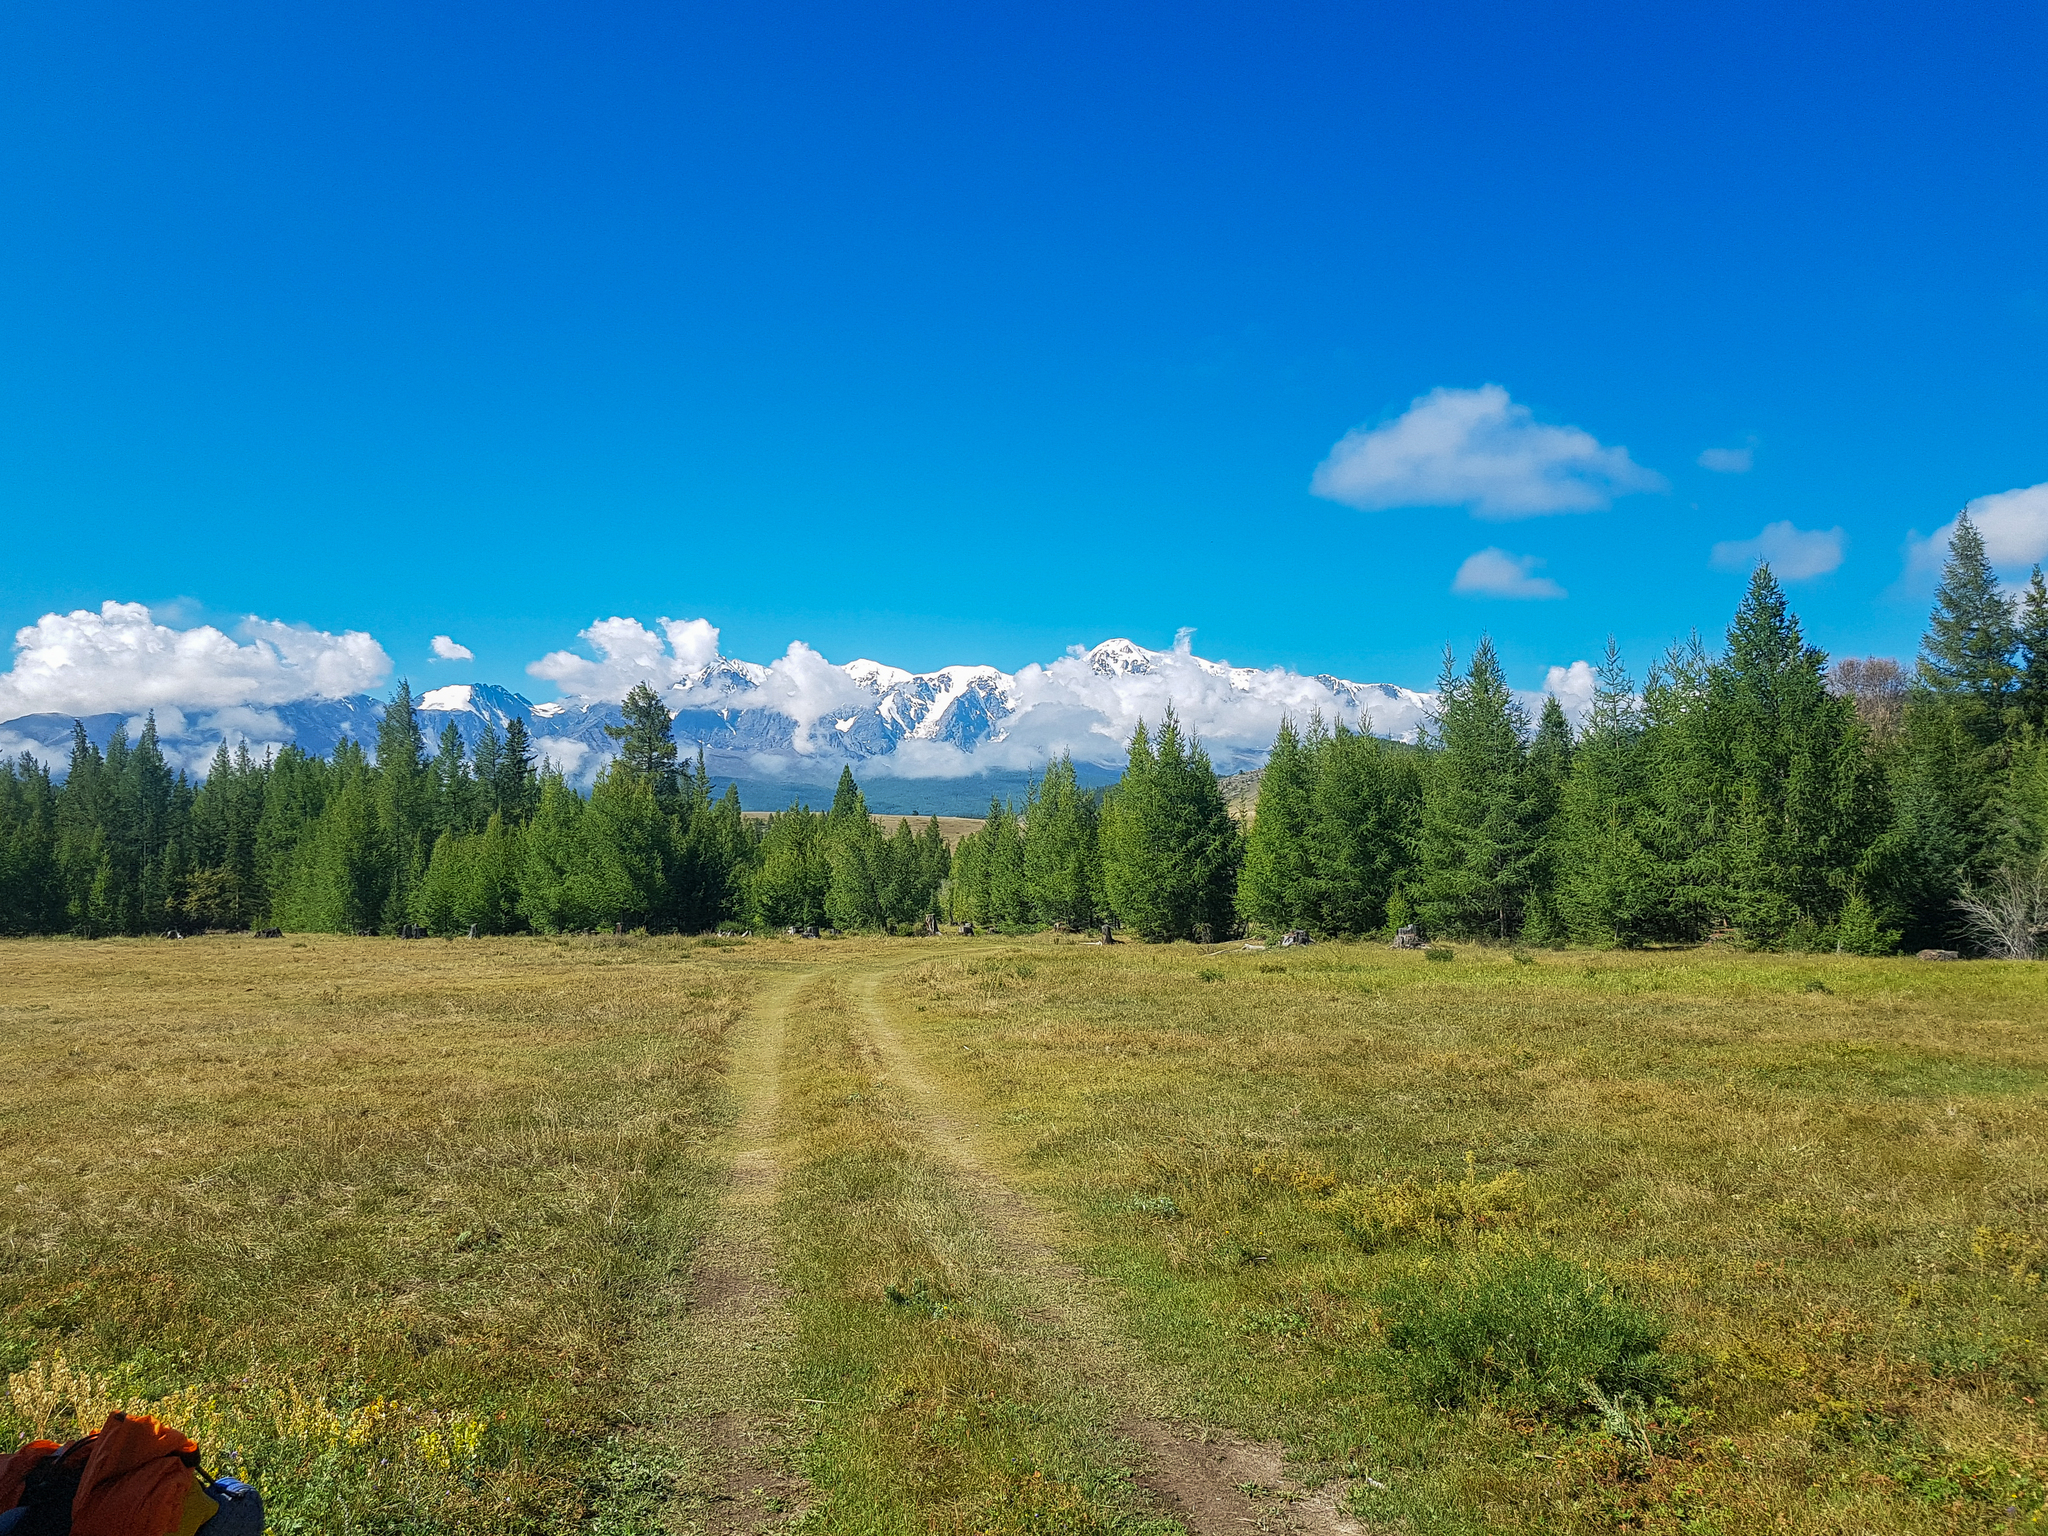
951	828
1241	793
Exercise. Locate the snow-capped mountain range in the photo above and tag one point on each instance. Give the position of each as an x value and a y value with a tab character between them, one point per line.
797	720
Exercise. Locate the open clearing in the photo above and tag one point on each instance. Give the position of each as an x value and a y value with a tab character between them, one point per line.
1033	1236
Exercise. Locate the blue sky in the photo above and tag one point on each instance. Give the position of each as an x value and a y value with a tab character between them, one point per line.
943	334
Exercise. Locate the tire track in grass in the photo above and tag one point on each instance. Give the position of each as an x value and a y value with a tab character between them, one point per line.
713	1410
1214	1482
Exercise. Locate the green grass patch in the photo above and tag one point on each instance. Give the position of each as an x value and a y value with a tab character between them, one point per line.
924	1409
1789	1235
1520	1329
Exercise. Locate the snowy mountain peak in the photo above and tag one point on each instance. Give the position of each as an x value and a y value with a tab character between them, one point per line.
798	718
1113	658
486	701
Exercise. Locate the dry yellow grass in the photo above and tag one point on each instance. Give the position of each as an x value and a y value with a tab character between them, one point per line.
406	1224
373	1214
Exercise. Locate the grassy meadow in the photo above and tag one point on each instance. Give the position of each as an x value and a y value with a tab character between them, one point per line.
416	1234
1570	1242
368	1219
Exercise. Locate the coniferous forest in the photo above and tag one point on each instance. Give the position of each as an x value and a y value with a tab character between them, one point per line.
1752	791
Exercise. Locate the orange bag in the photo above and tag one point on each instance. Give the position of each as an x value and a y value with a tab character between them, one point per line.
135	1480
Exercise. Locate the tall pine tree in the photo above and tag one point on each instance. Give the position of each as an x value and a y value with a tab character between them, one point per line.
1170	847
1478	845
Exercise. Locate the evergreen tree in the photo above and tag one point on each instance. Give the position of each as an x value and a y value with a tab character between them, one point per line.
1006	895
791	871
340	879
1170	847
84	810
1062	875
405	807
1478	845
1797	800
1361	830
485	764
935	862
647	743
295	788
455	800
1966	656
2031	698
1608	888
1273	888
849	805
515	784
1549	764
623	874
857	855
31	884
551	888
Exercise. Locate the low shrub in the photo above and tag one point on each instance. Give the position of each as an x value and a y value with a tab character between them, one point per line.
1443	954
1521	1328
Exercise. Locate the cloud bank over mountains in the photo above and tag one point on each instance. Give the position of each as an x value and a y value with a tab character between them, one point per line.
802	708
794	719
121	659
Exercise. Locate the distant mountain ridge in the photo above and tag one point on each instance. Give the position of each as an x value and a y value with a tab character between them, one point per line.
976	728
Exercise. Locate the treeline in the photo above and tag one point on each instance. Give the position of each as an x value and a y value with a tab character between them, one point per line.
443	842
1755	792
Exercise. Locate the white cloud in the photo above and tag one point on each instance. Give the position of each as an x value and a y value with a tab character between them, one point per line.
1496	573
1728	461
1573	686
121	659
1477	448
806	687
628	653
445	649
1795	554
2014	525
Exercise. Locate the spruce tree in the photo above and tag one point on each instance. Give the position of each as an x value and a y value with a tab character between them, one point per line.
1966	656
935	862
31	885
623	874
484	760
552	890
1549	763
1273	888
516	792
2031	698
849	805
1170	847
1360	837
454	791
1062	873
405	806
1797	799
647	743
791	871
295	788
1606	886
1478	847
